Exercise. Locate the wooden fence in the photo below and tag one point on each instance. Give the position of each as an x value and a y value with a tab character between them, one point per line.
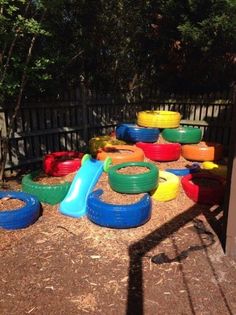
69	121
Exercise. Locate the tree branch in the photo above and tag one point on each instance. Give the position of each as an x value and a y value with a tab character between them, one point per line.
17	31
5	142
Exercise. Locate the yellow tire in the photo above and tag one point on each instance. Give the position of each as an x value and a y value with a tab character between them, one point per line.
214	168
158	119
168	187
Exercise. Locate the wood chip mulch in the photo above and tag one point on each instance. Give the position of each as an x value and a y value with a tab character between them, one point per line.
45	179
78	267
133	170
10	204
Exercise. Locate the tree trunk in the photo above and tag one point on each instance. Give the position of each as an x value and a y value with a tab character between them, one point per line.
5	141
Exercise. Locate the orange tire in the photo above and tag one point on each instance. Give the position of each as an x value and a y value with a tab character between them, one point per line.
115	152
204	151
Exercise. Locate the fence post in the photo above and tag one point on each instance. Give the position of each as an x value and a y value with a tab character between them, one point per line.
3	125
229	227
3	137
84	109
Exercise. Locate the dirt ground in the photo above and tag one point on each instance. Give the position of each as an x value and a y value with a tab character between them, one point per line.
174	264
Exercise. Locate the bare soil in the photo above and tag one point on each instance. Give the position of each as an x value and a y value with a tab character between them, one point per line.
173	264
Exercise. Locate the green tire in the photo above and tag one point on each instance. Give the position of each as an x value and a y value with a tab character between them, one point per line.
133	183
183	135
51	194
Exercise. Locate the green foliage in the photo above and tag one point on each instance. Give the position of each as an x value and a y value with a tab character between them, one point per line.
192	43
20	22
122	44
118	44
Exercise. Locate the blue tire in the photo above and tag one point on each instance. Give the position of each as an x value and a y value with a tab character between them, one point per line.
22	217
118	216
194	168
134	133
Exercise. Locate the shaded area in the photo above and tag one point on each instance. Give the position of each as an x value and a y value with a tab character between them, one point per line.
135	300
162	258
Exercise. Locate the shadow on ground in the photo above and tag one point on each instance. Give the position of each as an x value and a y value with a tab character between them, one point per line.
137	251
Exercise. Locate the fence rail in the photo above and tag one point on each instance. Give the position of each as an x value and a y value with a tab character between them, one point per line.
68	122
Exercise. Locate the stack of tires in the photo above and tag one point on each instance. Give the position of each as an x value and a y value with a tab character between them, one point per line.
163	186
55	164
203	188
185	141
125	215
180	141
146	134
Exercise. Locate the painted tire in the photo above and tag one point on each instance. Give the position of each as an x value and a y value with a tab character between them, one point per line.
207	152
107	164
22	217
214	168
204	194
167	190
182	135
118	216
134	133
97	143
160	151
194	168
136	154
85	158
62	163
51	194
133	183
158	119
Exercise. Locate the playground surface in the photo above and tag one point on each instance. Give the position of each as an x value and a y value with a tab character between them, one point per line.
174	264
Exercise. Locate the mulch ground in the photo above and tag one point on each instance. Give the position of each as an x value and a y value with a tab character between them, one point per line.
174	264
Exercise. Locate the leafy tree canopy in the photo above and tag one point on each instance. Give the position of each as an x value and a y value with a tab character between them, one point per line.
118	45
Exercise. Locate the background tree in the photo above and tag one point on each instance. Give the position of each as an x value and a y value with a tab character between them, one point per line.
119	45
20	25
199	40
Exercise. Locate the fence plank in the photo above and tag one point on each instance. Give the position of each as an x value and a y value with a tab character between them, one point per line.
69	121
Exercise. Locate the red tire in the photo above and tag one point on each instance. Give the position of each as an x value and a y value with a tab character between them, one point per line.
204	193
160	151
62	163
